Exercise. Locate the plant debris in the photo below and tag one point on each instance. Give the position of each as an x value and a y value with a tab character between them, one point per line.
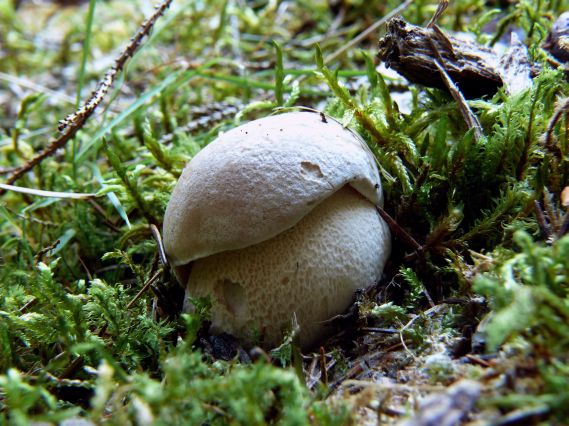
417	53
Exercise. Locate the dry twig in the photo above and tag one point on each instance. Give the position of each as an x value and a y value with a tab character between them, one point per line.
399	232
146	286
469	117
323	367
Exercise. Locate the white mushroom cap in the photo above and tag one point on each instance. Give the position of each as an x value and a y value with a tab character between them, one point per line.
260	179
310	271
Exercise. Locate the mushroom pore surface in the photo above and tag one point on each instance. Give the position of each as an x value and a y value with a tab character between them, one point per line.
309	271
260	179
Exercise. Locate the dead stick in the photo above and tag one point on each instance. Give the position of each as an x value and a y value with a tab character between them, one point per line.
46	250
74	122
323	367
144	289
399	232
469	117
28	305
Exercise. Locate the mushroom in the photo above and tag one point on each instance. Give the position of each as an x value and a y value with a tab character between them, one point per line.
276	220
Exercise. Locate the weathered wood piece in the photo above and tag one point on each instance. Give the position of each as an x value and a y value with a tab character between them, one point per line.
408	49
515	67
557	42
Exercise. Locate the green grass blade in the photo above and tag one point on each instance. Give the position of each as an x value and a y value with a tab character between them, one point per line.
112	197
279	74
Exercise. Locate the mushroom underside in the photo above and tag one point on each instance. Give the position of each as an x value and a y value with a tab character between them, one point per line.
309	272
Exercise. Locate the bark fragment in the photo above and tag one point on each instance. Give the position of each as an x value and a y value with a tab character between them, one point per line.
557	42
408	49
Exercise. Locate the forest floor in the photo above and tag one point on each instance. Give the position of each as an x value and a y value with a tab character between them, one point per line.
470	322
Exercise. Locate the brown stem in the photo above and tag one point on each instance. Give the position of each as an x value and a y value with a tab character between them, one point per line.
399	231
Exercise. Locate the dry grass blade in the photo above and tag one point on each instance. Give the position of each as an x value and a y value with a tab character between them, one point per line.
161	250
442	6
367	31
42	193
24	82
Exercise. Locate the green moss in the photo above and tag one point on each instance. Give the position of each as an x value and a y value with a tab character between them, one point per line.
73	342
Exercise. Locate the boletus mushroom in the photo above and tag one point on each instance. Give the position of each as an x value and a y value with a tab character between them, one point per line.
276	220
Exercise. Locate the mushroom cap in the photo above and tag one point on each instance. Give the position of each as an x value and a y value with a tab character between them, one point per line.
310	271
260	179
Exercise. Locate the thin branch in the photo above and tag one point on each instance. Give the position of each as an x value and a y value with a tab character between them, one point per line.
323	367
74	122
399	232
469	117
146	286
28	305
44	251
103	215
97	96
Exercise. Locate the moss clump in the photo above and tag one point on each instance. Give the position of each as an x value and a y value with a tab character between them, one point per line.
88	325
